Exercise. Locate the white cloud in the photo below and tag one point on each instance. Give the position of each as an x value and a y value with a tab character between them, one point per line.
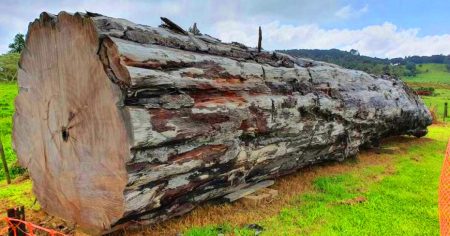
348	11
15	16
239	21
384	40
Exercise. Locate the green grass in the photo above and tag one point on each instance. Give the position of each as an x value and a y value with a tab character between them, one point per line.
436	76
399	200
441	96
430	73
8	92
18	194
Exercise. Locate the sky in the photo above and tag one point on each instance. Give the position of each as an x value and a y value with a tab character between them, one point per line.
379	28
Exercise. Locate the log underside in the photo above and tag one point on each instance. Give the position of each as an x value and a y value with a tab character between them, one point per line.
174	119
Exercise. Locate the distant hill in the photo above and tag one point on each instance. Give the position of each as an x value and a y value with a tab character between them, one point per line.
378	66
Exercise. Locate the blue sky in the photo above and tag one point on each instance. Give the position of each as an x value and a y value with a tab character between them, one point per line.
375	28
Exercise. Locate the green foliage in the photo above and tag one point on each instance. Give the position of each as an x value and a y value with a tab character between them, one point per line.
8	66
429	89
18	45
354	52
410	69
399	199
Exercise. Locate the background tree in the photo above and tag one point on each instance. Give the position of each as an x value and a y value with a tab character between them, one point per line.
354	52
8	66
447	64
10	60
18	44
411	69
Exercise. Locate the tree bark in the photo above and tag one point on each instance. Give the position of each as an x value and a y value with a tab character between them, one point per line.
119	122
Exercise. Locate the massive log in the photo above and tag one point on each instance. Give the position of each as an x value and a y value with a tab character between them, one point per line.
119	122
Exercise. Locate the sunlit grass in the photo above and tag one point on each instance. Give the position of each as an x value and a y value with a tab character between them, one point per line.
17	194
8	92
430	73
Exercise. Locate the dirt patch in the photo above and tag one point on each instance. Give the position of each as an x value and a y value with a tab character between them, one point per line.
353	201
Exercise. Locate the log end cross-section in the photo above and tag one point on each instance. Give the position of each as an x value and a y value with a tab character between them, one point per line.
68	130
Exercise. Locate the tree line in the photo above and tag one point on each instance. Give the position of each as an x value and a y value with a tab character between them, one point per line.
354	60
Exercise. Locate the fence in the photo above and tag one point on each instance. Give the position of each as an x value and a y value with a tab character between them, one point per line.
17	226
444	194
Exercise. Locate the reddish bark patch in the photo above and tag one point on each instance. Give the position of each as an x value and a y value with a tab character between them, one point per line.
245	125
146	65
210	118
160	118
260	119
206	153
256	123
205	99
325	90
228	80
135	167
213	70
210	69
205	87
172	194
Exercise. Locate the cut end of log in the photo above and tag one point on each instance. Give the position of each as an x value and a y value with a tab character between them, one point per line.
68	129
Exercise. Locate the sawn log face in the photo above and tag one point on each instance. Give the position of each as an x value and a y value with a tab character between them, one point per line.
192	118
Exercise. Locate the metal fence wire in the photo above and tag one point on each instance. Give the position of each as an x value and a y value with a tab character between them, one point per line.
444	194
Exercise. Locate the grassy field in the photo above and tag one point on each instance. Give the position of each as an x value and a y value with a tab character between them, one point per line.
437	101
8	92
437	77
430	73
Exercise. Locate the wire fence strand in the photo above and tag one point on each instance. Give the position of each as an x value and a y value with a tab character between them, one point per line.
31	228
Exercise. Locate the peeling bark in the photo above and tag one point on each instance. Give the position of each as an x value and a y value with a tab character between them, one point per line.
119	122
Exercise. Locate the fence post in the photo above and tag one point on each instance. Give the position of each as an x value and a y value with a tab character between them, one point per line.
17	228
445	111
5	165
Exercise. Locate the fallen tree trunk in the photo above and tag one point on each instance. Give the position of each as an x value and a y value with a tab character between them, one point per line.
119	122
